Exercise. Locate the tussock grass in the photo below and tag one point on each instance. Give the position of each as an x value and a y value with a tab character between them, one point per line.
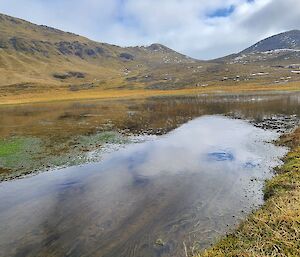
273	230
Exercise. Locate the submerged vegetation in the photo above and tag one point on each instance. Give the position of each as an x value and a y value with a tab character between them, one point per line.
23	155
18	153
273	230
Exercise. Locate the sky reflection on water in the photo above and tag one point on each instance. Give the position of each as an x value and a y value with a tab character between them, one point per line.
188	185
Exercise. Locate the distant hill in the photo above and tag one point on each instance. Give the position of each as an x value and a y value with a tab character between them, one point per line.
25	37
39	54
283	41
281	50
40	60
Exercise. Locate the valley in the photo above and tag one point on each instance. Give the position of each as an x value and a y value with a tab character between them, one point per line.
144	151
39	63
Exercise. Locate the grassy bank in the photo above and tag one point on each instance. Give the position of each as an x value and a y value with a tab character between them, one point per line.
273	230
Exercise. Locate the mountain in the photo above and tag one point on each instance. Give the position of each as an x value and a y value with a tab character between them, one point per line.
38	61
271	61
279	50
44	41
37	55
289	40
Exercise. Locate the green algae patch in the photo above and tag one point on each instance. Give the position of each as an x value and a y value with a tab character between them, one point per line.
24	155
9	147
18	152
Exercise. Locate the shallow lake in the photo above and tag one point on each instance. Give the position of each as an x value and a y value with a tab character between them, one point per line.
196	170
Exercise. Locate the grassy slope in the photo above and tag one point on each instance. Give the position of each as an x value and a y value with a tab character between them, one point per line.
274	230
30	55
32	64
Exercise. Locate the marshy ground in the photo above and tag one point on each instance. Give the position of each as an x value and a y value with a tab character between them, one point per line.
44	136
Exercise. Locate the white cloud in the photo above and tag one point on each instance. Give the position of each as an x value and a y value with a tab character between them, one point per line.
182	25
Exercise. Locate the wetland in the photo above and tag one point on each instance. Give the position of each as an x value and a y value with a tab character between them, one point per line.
162	176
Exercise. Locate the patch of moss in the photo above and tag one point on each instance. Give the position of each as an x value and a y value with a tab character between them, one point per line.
10	147
16	153
20	156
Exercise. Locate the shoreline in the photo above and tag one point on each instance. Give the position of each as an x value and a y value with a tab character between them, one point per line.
112	94
273	229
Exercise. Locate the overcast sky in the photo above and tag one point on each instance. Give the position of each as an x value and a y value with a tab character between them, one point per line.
202	29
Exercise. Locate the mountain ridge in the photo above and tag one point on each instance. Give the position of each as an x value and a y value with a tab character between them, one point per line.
37	59
282	49
284	40
28	37
38	54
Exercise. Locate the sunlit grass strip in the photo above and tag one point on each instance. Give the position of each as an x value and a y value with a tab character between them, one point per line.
273	230
51	95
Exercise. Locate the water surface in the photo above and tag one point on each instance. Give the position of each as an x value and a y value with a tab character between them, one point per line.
187	186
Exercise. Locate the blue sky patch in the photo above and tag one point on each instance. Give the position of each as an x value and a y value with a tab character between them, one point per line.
222	12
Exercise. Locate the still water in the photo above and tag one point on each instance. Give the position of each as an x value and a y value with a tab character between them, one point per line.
179	190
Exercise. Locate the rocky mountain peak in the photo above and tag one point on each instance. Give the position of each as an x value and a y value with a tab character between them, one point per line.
289	40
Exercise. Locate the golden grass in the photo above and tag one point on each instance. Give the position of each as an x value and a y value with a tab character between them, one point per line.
50	94
274	230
